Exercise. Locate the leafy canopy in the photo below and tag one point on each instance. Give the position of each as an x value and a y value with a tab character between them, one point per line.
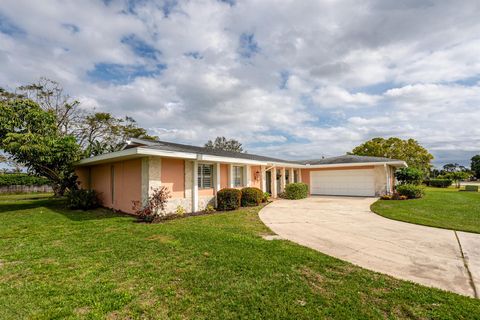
408	150
222	143
475	166
30	135
409	176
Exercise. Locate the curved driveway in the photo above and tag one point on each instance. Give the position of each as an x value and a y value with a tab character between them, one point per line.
344	227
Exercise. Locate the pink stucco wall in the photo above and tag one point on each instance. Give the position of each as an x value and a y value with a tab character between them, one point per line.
256	177
83	177
173	176
223	176
126	187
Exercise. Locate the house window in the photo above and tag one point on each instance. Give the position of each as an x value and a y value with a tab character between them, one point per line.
205	176
237	176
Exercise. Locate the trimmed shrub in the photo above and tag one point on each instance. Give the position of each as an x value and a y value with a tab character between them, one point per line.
22	179
296	190
409	176
411	191
440	183
251	197
228	199
83	199
266	197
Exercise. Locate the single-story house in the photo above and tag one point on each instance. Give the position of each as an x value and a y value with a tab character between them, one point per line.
194	174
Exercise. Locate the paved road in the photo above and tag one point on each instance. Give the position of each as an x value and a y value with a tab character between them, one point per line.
344	227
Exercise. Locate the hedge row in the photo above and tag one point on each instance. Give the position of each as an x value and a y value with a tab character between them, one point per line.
298	190
438	183
231	199
22	179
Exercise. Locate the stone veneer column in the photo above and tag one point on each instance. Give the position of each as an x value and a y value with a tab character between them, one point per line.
195	186
188	183
247	176
291	176
151	176
299	175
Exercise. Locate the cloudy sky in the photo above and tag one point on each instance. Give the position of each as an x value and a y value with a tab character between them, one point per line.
294	79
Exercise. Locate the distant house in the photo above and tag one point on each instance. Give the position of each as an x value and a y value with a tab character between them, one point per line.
194	174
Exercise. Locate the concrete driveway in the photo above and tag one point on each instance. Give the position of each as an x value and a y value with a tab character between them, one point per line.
344	227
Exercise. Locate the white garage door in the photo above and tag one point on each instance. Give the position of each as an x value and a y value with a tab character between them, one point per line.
359	182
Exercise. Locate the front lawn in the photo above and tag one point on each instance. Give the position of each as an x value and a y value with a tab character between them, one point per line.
57	263
441	207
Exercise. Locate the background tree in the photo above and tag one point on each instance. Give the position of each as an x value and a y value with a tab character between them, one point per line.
409	151
475	166
457	176
96	132
222	143
101	132
409	176
454	167
50	96
31	137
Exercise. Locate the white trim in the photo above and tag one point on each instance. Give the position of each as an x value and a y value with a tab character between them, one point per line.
195	187
139	151
263	178
217	181
230	176
358	164
247	176
273	182
239	161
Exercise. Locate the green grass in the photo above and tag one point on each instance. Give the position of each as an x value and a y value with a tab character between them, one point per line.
57	263
441	207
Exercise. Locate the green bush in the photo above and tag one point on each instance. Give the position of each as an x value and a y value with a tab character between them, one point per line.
251	197
83	199
411	191
23	179
228	199
266	197
296	190
409	176
440	183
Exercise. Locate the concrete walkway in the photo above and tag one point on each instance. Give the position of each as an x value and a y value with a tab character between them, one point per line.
344	227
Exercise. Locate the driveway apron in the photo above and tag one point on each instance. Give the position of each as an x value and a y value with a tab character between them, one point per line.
345	228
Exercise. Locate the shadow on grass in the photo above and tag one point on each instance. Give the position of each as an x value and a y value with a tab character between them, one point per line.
58	206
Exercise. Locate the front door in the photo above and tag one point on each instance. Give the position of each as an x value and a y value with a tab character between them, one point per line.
268	181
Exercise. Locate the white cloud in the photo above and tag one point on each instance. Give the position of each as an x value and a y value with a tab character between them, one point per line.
354	71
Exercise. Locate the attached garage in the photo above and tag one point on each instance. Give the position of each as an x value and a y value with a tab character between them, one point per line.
355	182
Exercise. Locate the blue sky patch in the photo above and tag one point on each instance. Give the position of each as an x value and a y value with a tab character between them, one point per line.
122	74
230	2
284	75
248	45
168	6
71	27
8	27
194	54
140	47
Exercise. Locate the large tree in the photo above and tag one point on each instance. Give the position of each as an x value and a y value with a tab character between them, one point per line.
31	137
475	166
408	150
222	143
96	132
